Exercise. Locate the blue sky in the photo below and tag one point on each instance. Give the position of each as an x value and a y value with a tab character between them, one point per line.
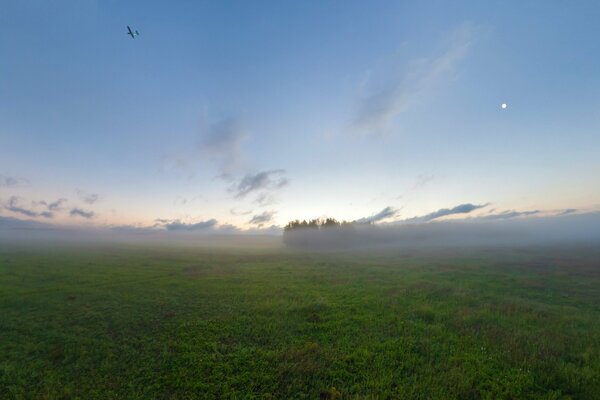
256	113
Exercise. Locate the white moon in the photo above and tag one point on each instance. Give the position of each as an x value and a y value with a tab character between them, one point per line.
504	105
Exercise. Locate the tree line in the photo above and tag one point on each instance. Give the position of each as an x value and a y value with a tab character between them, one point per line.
316	223
320	233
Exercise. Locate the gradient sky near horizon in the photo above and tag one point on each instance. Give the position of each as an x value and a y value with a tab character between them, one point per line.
256	113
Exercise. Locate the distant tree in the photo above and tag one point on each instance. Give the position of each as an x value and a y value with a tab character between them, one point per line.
314	223
319	233
330	222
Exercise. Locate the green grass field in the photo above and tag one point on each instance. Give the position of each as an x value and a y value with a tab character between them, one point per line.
151	322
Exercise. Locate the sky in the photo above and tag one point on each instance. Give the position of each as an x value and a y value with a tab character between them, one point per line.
246	115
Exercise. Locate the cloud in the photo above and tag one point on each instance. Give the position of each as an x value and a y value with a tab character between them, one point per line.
443	212
222	143
14	207
54	206
265	199
197	226
238	211
78	212
386	213
183	201
378	110
48	212
10	182
209	226
568	211
261	219
89	198
508	214
265	180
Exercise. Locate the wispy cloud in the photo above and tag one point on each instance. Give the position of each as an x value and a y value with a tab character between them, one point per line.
568	211
386	213
89	198
222	144
13	206
57	205
10	182
78	212
381	106
265	180
508	214
263	218
265	199
444	212
182	201
238	211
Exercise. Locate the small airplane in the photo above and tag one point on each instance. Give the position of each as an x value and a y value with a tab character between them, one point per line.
132	33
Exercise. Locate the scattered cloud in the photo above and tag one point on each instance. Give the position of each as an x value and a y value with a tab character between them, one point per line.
212	226
261	219
177	225
386	213
380	107
265	199
89	198
222	144
54	206
508	214
10	182
78	212
265	180
443	212
13	206
48	209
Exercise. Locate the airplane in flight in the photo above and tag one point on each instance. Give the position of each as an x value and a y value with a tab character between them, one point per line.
132	33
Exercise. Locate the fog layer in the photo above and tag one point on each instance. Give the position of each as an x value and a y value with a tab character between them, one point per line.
567	229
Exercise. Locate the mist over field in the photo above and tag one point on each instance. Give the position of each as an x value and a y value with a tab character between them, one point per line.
568	229
331	200
563	229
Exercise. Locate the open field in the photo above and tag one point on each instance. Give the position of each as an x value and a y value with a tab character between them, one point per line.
142	322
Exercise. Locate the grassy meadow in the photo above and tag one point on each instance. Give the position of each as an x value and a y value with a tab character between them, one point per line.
176	322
